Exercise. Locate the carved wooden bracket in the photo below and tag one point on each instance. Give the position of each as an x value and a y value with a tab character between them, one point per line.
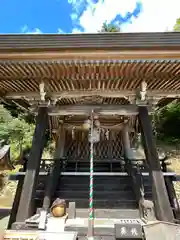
42	91
141	97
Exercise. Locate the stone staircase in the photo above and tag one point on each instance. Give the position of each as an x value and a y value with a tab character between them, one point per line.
113	194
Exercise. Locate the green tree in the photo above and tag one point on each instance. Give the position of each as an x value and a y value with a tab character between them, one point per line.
15	131
110	28
177	25
167	123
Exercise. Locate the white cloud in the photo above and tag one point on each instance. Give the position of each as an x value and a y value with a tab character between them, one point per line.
95	15
76	30
77	4
156	15
26	30
35	31
74	16
60	31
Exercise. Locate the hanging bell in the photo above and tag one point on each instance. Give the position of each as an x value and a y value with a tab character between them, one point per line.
86	125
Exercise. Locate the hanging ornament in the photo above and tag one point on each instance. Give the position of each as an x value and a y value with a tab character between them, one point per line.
82	135
73	133
95	117
107	134
97	123
86	125
113	135
94	135
101	131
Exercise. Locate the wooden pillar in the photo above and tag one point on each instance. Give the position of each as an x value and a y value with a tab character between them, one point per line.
126	142
172	196
15	205
25	209
60	144
54	175
160	196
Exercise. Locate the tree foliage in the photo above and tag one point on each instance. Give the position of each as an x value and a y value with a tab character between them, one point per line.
167	123
15	131
177	25
109	28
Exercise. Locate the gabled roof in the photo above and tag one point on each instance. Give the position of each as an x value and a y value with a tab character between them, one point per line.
99	40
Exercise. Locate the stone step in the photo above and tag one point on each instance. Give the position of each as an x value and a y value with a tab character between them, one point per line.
123	196
113	195
85	194
97	179
102	204
84	181
84	187
109	213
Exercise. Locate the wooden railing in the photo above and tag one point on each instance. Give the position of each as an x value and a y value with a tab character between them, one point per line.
47	163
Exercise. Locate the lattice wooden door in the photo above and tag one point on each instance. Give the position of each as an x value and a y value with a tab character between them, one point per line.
77	147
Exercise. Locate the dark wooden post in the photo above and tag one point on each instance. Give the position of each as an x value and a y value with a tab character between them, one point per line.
172	196
30	180
160	195
15	205
126	142
53	178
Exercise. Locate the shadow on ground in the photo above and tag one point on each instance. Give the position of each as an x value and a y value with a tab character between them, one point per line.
4	213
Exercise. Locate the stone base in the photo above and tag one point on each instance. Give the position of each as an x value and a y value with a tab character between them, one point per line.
162	231
119	228
34	235
80	225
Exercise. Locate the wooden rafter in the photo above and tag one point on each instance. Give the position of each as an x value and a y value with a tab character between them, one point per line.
103	76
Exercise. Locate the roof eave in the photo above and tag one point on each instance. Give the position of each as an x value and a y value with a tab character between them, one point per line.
89	41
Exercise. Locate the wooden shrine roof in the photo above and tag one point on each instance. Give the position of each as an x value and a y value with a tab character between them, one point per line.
71	81
69	62
19	42
104	68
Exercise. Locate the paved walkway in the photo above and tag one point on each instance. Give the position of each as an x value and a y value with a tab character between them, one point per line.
4	217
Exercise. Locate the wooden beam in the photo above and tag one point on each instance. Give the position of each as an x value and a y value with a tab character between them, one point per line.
160	196
25	208
91	54
93	92
19	174
20	104
123	110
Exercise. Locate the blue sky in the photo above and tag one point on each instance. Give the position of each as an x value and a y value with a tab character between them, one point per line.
73	16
